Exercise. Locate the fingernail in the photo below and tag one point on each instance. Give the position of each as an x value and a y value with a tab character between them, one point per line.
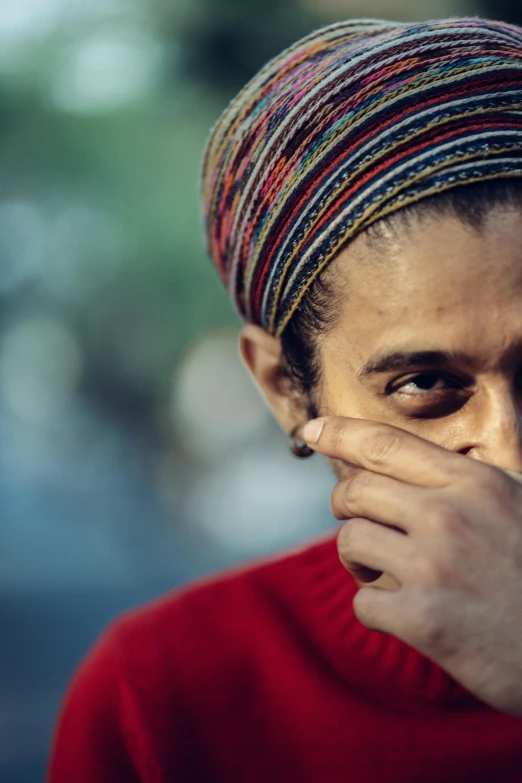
311	432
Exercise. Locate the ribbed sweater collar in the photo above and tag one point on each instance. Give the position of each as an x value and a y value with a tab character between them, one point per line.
380	666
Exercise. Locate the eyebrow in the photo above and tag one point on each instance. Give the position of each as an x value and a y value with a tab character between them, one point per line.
400	360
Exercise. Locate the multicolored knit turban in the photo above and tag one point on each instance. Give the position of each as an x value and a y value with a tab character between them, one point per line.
345	127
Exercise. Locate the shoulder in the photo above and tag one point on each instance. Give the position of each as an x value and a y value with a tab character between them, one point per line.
204	625
178	658
198	636
229	612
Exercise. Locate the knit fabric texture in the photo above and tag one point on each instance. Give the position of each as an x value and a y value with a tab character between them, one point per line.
347	126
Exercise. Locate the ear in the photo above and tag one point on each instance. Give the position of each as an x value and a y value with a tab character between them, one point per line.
261	354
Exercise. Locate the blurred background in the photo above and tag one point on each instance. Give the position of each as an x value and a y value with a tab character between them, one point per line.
135	453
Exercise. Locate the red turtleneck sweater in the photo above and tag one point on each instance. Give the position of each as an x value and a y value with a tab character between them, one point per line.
265	674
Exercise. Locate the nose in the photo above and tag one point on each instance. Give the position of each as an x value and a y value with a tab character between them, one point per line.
498	436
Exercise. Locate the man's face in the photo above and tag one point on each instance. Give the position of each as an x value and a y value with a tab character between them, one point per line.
429	339
430	336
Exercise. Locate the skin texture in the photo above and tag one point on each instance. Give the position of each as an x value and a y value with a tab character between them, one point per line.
416	442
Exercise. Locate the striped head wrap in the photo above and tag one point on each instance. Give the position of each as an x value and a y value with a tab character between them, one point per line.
346	127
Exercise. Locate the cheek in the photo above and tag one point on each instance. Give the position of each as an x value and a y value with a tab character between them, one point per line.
345	399
339	394
450	433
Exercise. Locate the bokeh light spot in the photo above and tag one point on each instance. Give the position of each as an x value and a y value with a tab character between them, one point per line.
40	367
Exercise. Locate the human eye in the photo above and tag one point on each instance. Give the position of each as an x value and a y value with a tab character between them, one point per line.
427	394
424	383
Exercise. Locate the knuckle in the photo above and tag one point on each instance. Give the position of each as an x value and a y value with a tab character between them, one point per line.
382	445
355	489
337	502
347	537
343	545
344	539
349	494
336	432
364	609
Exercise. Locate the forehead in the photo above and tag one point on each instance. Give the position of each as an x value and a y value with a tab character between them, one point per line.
439	282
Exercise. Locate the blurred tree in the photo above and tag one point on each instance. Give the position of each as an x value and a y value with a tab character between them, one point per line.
225	42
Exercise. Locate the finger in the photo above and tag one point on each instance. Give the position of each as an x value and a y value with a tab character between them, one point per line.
363	545
514	475
377	609
381	499
385	449
385	582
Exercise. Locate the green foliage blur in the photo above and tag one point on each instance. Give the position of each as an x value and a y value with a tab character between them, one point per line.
104	113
